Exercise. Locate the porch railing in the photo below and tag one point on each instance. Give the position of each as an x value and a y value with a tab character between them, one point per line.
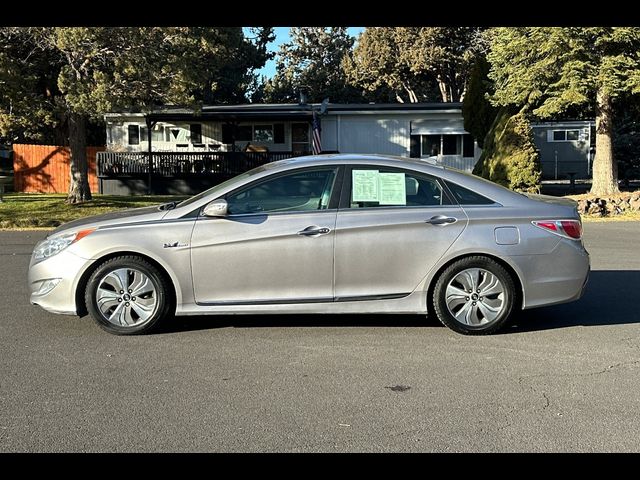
170	164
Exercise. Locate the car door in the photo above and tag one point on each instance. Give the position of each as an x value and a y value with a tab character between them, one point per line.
274	246
392	226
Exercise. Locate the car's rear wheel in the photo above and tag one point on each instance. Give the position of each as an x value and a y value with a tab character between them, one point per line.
127	295
474	296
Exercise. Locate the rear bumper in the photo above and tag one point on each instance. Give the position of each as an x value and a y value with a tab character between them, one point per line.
558	277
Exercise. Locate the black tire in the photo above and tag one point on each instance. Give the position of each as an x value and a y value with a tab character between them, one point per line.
163	303
439	304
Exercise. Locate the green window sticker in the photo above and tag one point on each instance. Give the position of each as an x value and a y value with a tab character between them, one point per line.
392	189
365	185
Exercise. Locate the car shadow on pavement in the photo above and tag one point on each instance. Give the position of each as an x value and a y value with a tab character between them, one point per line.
206	322
610	299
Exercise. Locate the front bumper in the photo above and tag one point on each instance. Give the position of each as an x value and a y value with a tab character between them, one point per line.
64	266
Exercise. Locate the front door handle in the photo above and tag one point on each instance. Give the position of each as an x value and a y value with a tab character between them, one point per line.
313	230
441	220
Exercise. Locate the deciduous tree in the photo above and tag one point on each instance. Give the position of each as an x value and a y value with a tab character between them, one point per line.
413	61
99	69
312	61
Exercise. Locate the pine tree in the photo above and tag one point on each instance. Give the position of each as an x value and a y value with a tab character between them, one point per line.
477	110
551	69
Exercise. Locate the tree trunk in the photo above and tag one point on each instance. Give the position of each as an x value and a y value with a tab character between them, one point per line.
79	190
444	89
605	168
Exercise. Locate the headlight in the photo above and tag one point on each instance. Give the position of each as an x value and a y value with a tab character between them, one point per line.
53	246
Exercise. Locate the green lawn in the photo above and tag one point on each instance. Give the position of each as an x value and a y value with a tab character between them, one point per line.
26	211
20	210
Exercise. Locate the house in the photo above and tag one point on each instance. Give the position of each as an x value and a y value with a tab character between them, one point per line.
566	148
190	149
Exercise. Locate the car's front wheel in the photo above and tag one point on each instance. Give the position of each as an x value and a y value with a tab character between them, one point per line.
474	296
127	295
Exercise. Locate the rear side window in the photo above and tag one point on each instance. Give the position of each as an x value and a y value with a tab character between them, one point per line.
385	187
464	196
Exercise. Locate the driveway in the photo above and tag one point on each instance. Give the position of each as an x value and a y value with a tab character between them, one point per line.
564	378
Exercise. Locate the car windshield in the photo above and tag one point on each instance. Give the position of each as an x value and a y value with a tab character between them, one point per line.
220	186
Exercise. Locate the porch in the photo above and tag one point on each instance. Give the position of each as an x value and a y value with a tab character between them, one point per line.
175	173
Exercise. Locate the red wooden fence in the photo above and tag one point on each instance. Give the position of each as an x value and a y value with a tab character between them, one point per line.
45	168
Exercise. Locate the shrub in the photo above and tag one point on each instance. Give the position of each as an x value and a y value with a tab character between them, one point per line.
510	157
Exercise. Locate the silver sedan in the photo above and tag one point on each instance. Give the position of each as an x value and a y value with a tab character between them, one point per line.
320	234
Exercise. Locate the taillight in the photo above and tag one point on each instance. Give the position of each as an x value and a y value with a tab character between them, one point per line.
573	228
565	228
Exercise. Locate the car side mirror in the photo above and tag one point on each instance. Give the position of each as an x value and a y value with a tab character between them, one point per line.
217	208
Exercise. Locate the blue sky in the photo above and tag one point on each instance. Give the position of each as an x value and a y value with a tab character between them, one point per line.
282	36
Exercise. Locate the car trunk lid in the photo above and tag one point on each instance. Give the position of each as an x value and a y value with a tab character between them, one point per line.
567	202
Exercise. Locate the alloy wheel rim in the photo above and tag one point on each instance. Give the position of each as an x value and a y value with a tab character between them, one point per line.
126	297
475	297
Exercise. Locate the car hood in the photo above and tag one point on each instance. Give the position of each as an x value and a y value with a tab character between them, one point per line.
131	215
567	202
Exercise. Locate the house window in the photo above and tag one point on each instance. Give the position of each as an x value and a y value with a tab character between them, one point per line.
263	133
573	135
300	137
278	133
431	145
272	133
134	135
196	132
447	144
467	146
143	134
157	133
451	144
244	133
563	136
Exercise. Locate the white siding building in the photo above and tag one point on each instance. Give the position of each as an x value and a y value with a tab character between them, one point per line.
411	130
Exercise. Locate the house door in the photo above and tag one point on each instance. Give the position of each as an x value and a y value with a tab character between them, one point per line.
300	138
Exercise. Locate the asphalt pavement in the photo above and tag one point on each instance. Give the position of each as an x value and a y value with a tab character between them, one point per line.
563	378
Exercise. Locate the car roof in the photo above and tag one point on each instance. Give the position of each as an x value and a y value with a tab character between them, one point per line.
356	158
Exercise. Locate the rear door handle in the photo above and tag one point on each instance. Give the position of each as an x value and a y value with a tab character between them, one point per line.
441	220
313	230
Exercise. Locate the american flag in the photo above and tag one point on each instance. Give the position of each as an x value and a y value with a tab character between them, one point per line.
316	147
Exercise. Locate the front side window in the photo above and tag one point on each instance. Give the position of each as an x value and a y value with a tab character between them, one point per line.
304	190
394	187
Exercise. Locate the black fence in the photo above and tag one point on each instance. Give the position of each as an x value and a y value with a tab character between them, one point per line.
183	173
117	164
